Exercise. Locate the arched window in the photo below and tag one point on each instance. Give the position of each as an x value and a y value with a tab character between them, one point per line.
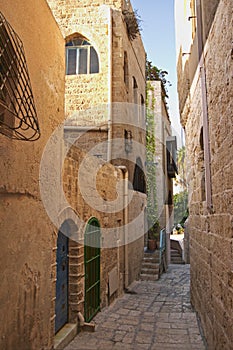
81	57
139	182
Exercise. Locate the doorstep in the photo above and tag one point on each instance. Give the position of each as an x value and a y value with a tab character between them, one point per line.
65	335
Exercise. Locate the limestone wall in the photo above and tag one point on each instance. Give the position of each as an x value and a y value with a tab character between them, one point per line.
27	234
162	129
106	185
211	253
105	98
105	28
113	227
102	100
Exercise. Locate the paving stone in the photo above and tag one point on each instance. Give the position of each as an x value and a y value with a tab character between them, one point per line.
158	316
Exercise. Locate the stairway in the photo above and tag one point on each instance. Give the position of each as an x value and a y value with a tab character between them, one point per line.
150	266
176	257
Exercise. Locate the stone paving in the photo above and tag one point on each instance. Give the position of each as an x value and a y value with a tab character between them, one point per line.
152	316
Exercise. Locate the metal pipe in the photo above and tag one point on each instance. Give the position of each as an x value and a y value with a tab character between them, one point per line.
109	151
126	220
81	319
207	157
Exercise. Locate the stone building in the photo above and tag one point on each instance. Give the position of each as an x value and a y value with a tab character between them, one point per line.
60	223
205	87
164	158
31	106
105	139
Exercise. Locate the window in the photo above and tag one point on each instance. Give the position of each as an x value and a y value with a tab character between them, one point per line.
139	181
142	111
171	156
18	118
81	57
126	70
135	99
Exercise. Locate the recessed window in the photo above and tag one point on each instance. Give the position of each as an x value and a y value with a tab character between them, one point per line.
126	70
139	181
81	57
18	118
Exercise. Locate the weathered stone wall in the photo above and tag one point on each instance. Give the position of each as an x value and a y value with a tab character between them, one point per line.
27	234
162	129
101	100
86	208
136	232
211	239
108	34
104	98
114	253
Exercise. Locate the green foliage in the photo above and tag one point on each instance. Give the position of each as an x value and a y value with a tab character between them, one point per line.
154	73
180	207
181	163
132	20
151	168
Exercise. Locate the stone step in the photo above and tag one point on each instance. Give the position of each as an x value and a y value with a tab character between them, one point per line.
145	277
175	253
146	265
177	261
151	260
175	256
151	254
150	271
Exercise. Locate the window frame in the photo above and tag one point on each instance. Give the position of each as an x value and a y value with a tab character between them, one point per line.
77	48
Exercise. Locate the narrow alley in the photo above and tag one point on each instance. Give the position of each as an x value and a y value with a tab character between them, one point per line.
151	316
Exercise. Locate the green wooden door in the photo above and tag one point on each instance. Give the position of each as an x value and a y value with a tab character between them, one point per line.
92	269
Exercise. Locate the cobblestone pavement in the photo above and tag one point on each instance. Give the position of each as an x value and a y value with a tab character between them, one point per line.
152	316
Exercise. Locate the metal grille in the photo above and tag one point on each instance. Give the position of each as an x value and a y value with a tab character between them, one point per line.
92	269
18	119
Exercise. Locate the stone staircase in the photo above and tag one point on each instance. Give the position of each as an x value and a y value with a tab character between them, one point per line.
176	257
150	266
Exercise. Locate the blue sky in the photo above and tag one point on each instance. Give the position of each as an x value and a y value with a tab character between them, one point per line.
158	35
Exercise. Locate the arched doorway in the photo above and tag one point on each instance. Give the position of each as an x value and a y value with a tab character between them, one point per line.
61	305
92	269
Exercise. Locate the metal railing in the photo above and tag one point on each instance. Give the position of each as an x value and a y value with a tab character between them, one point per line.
162	251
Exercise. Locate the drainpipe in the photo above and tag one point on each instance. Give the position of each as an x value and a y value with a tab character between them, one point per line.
109	151
81	319
207	159
168	231
125	222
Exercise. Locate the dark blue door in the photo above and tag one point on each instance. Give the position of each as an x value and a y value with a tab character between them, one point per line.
61	308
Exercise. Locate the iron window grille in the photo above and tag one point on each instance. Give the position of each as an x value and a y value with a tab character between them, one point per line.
18	118
81	57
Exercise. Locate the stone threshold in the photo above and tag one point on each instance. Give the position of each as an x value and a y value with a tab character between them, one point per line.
65	336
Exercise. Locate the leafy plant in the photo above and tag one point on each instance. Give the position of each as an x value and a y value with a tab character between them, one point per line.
151	168
154	73
180	207
132	20
181	163
154	231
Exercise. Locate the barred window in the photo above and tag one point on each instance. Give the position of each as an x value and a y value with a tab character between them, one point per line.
18	119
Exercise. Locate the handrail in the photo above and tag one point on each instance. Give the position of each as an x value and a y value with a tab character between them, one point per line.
162	244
